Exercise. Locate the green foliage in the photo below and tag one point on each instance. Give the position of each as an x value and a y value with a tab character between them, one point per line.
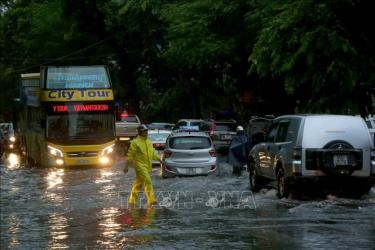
196	57
305	43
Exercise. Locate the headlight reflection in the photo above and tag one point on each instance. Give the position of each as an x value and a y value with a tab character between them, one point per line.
54	178
13	160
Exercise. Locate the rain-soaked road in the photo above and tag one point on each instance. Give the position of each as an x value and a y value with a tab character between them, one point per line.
87	209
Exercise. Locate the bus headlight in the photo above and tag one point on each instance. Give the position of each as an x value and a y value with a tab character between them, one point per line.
12	139
108	150
104	160
55	152
59	162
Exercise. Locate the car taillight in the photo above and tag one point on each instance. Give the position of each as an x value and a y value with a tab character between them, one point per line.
213	153
167	153
297	153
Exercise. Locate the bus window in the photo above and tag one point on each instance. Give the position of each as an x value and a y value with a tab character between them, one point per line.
80	126
84	77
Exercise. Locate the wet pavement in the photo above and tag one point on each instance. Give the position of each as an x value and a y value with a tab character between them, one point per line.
87	209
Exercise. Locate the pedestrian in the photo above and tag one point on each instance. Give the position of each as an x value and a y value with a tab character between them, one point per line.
141	153
239	150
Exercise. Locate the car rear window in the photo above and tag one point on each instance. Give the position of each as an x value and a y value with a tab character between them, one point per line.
131	119
195	124
161	137
193	142
225	127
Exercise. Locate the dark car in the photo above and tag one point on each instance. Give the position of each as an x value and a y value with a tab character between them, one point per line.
220	131
257	128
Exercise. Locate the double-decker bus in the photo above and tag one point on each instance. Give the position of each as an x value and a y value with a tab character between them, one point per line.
67	117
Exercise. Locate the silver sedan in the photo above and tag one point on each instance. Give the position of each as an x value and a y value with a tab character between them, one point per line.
188	154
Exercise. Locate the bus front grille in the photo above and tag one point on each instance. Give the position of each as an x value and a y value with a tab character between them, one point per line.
82	154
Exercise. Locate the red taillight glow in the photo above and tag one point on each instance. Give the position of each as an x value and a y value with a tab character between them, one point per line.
167	153
213	153
124	115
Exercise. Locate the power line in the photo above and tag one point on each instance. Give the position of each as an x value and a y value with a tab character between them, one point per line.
61	57
70	58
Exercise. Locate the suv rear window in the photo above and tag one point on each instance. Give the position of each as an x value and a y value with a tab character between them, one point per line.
189	142
225	127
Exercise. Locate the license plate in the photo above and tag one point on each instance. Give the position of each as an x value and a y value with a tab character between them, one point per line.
340	160
82	161
190	171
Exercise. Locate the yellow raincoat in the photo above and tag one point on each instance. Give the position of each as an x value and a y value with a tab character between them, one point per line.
140	154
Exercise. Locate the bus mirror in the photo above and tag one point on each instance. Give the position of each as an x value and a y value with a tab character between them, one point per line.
43	123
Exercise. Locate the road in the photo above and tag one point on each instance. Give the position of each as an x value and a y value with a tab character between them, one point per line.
87	209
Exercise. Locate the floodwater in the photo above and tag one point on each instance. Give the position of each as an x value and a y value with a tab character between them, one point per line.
87	209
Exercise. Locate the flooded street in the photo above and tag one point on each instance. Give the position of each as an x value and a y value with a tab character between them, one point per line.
87	209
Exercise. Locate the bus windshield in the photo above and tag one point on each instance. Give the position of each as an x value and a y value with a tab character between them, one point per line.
81	77
78	126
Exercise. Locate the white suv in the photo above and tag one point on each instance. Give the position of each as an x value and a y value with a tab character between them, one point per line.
335	151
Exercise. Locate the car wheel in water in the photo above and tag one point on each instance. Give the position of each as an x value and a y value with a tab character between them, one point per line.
282	187
164	174
253	177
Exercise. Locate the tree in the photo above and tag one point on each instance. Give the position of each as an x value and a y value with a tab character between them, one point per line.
316	49
205	41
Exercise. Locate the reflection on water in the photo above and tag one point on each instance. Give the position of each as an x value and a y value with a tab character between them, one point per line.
81	209
137	218
108	227
14	226
54	181
58	225
54	178
105	176
13	161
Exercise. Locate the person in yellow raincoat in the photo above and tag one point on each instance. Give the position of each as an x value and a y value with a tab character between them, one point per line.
140	154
